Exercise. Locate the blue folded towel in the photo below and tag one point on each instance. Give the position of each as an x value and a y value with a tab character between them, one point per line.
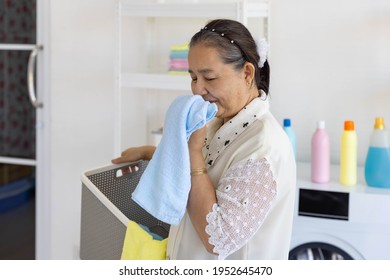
164	186
178	55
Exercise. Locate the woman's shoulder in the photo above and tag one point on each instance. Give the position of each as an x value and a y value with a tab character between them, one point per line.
265	138
265	132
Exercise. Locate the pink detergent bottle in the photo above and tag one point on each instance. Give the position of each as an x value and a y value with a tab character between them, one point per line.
320	155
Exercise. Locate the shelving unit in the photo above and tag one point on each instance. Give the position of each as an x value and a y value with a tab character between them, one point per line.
160	81
148	13
239	9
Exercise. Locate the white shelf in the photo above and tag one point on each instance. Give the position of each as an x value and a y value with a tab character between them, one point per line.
304	181
129	82
156	81
231	9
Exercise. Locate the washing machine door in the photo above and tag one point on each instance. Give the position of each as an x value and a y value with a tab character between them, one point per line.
322	247
318	251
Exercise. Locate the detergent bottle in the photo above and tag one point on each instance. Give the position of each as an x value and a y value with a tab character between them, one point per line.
291	134
320	155
377	164
348	155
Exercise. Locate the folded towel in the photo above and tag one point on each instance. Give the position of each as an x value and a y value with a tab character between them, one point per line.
178	72
139	244
178	55
164	186
180	47
178	64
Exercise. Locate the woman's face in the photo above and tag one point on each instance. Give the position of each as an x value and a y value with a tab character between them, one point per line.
218	82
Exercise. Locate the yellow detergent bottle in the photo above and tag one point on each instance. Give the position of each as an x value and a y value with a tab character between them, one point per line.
348	155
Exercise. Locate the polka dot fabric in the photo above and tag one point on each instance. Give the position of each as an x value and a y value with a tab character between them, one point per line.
223	136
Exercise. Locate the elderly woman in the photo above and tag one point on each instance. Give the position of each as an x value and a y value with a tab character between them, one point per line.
243	178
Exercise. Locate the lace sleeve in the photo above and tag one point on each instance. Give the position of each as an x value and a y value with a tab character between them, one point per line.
244	196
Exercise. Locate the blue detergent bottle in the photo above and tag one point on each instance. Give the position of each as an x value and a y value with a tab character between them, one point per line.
377	165
291	134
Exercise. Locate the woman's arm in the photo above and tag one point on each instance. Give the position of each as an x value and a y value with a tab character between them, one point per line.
134	154
227	217
202	195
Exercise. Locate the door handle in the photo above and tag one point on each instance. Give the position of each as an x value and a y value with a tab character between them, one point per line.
31	75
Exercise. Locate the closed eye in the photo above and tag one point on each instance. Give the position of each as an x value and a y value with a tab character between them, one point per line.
207	79
194	79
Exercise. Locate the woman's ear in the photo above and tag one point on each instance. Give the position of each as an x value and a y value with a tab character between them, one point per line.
249	71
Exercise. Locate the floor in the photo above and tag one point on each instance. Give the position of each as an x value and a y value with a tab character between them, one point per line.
17	232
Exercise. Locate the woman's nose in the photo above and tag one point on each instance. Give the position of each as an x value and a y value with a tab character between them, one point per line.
199	88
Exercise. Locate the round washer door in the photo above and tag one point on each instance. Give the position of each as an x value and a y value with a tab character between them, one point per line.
318	251
322	246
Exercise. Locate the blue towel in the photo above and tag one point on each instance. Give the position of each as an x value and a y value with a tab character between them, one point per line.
164	186
154	235
178	55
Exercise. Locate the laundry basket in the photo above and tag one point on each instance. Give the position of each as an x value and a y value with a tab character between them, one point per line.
107	207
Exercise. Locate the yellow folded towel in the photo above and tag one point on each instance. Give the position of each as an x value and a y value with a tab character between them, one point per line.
178	73
140	245
180	47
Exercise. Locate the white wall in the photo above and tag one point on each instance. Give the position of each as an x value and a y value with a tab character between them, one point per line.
82	85
329	60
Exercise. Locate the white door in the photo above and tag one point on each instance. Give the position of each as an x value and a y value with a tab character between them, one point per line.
23	111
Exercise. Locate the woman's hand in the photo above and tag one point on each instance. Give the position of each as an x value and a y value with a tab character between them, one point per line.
134	154
196	141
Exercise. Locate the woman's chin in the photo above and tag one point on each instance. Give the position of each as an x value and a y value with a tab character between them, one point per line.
218	115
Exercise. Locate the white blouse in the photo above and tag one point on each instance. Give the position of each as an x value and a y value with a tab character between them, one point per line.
251	163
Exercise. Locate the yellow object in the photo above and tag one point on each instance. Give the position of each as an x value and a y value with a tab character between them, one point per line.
140	245
180	47
178	73
379	123
348	155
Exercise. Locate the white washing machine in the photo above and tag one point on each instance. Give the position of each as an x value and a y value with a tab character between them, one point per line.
332	221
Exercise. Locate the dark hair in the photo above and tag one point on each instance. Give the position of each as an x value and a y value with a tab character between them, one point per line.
236	46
